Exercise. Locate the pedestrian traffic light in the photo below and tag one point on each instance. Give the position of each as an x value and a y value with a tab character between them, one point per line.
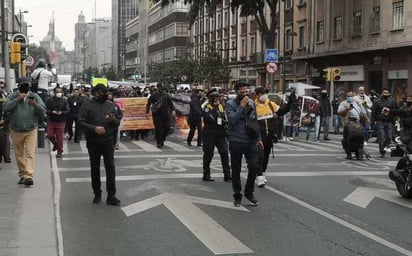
336	74
15	50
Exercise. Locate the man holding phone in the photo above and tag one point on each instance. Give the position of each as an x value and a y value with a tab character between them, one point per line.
238	110
24	109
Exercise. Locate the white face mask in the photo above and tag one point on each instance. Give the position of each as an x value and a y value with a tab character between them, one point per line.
59	95
263	98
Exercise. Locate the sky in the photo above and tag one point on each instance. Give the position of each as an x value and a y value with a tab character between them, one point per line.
65	12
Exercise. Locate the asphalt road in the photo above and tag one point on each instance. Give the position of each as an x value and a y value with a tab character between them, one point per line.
315	203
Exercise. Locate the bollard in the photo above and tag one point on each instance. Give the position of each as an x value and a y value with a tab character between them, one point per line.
40	137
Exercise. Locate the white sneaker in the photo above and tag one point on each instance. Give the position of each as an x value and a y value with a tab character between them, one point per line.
290	138
265	180
261	181
285	139
388	149
365	143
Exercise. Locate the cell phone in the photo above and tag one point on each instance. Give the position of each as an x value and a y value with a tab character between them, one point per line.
31	97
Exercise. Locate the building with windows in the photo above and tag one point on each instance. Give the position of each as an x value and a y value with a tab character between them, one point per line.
369	41
80	31
122	12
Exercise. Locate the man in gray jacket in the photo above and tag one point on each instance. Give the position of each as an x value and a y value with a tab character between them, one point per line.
24	108
242	143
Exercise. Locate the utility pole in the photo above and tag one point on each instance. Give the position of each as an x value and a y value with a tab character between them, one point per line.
5	47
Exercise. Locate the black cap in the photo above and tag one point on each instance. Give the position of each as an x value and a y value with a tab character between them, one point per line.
24	80
100	87
213	93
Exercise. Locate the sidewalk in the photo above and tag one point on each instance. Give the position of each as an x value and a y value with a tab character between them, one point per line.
27	217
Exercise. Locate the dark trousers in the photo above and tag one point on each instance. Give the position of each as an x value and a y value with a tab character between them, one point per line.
69	126
237	150
96	151
264	156
162	127
385	130
210	140
5	143
195	122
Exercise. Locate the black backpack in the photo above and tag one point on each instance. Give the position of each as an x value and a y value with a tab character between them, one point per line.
35	82
157	106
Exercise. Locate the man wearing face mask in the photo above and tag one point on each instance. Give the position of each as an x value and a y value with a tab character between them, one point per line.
383	123
364	100
195	117
57	109
239	111
100	122
24	109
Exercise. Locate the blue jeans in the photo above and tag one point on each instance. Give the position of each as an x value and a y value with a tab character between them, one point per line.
251	152
336	122
385	131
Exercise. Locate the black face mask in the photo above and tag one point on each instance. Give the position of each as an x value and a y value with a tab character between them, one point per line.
240	97
24	88
101	98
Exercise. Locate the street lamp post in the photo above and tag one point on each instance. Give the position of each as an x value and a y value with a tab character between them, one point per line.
20	12
137	52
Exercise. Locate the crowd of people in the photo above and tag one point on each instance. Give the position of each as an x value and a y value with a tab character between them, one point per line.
243	125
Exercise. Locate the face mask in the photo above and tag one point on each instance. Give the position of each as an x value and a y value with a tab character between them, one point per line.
101	98
240	97
24	88
350	99
59	95
263	98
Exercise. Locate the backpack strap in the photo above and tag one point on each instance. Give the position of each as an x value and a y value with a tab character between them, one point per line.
38	76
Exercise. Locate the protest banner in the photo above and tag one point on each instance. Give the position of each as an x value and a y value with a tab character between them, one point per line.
134	115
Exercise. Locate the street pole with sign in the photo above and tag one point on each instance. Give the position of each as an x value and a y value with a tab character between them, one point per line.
271	56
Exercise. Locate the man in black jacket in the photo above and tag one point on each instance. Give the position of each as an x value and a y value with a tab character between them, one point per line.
56	110
383	123
74	102
162	112
99	120
325	113
195	117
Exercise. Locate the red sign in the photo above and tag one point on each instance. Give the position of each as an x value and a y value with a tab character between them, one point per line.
271	67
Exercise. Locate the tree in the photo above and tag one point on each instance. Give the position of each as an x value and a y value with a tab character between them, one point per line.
38	53
254	8
211	69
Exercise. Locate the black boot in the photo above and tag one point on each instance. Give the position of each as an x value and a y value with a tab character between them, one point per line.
227	177
206	177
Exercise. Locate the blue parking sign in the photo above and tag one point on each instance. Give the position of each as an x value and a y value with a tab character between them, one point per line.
271	55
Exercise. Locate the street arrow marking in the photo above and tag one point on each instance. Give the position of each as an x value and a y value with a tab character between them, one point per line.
363	196
208	231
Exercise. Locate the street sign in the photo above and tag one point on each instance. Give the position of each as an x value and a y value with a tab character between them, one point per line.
183	78
28	61
271	67
271	55
208	231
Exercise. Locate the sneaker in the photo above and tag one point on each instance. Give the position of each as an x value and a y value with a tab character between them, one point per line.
261	181
116	147
252	200
237	202
21	180
316	141
265	180
28	182
59	155
189	144
365	143
54	148
290	138
227	178
388	149
97	199
113	201
326	138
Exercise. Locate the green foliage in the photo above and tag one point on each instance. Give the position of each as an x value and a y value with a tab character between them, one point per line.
246	8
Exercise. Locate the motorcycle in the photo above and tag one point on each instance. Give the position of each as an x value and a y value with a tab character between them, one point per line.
402	175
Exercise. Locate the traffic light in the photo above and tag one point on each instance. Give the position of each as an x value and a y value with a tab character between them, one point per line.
336	74
326	74
15	50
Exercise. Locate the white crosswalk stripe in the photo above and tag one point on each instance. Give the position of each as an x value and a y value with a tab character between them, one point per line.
296	145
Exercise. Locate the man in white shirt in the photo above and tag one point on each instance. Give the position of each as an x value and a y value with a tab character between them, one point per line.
42	74
366	102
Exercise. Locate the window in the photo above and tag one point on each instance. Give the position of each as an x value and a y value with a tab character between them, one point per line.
375	20
252	45
288	39
301	36
357	23
397	22
182	29
320	31
243	48
337	28
219	21
288	4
